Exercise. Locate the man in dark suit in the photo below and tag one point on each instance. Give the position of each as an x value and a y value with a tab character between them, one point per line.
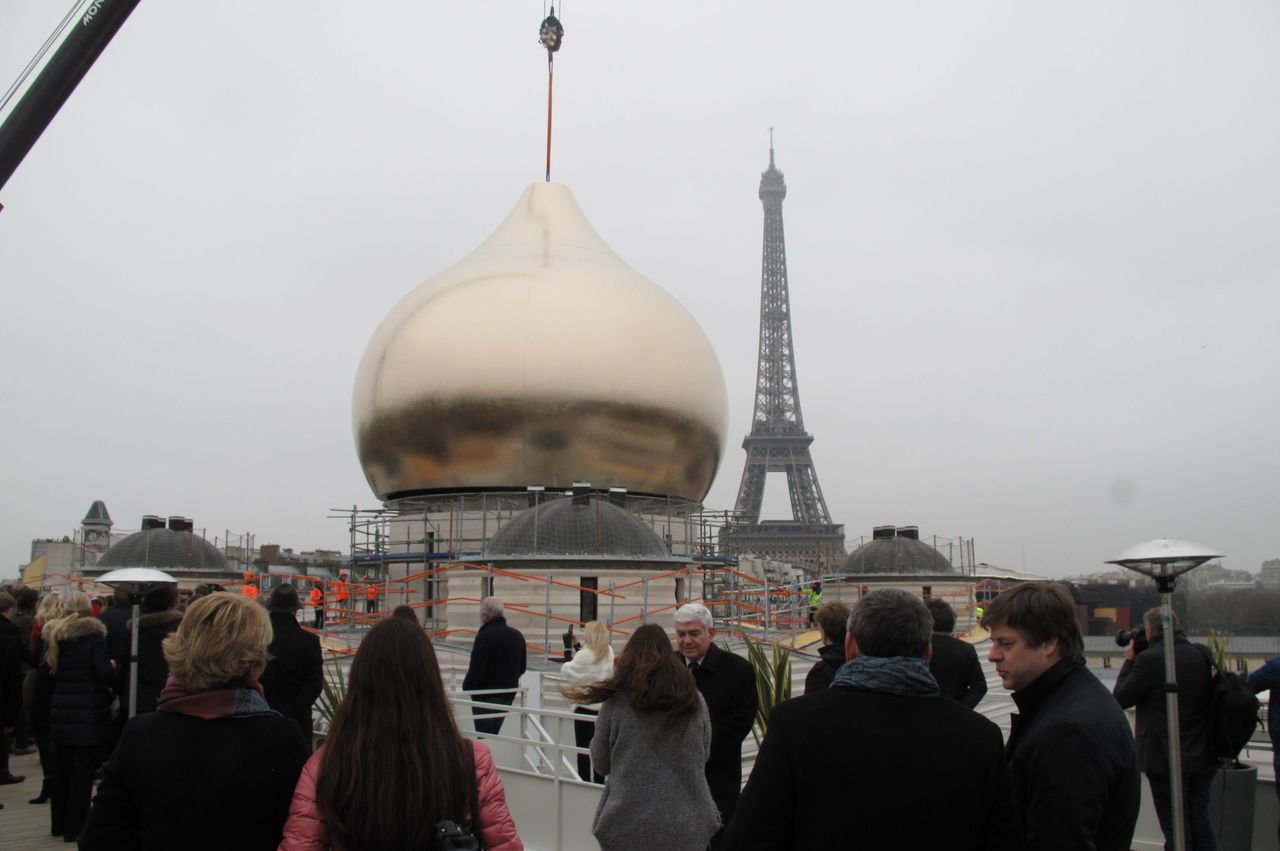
498	659
850	765
728	685
1141	684
955	663
294	677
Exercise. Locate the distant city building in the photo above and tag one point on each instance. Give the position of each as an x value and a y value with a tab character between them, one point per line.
1270	578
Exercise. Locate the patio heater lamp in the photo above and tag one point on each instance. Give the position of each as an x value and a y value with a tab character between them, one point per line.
1164	560
136	582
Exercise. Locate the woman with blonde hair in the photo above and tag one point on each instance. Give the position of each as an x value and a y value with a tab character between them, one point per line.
212	746
48	610
394	766
652	740
593	663
77	661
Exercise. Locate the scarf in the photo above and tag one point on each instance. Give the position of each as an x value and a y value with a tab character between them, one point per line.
907	676
237	699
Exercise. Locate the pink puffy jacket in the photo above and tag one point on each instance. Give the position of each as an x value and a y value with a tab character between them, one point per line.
306	831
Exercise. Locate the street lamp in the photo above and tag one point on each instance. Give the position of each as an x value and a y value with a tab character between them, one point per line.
1164	560
136	582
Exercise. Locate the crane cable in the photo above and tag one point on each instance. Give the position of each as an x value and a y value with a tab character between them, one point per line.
550	36
53	39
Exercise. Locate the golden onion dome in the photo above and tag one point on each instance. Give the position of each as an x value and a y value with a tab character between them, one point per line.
540	359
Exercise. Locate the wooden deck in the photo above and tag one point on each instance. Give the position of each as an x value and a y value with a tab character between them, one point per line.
24	825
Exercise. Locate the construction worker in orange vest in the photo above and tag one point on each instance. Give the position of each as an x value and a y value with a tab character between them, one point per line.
249	590
371	597
317	602
343	591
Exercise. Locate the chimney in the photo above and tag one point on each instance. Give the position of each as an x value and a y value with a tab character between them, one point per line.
618	496
911	533
152	521
581	493
882	533
178	523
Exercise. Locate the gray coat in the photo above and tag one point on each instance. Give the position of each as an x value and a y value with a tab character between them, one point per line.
655	791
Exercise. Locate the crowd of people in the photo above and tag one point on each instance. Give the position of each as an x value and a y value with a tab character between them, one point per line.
225	687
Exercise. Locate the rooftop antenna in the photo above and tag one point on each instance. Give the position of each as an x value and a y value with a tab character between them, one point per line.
550	34
770	147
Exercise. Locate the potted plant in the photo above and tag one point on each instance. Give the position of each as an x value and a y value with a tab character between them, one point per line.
773	681
333	690
1232	795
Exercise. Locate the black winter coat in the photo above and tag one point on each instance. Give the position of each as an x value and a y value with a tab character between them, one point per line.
498	657
176	781
956	667
728	685
13	655
822	673
117	620
80	713
1075	776
153	668
294	677
42	693
850	768
1141	684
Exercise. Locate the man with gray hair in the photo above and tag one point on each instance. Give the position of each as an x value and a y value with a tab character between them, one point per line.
727	683
497	661
879	759
1141	683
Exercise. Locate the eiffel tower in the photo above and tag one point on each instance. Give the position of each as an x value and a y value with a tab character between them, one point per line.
778	442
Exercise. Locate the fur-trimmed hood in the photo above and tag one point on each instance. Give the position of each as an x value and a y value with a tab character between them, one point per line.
70	628
161	622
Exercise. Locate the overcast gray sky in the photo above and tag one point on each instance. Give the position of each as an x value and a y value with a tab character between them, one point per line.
1035	272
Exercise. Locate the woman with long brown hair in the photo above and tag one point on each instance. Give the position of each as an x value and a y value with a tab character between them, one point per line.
652	741
394	764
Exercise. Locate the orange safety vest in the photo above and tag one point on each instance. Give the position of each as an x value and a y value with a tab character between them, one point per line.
372	592
317	596
250	591
341	588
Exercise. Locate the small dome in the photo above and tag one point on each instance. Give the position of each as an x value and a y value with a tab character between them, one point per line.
164	549
897	554
575	528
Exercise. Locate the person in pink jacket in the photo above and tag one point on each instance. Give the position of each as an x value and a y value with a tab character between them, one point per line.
394	764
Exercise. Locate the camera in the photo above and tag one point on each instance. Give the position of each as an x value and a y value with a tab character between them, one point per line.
1137	636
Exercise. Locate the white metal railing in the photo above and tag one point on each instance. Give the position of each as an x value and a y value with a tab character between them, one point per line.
536	757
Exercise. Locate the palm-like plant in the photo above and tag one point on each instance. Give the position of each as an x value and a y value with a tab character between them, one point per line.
331	693
773	681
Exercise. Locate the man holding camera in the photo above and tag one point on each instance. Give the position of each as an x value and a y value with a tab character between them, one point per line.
1141	684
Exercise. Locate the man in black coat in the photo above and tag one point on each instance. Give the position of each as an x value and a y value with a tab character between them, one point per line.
853	765
1070	749
954	663
1141	684
727	683
498	660
294	677
13	655
117	618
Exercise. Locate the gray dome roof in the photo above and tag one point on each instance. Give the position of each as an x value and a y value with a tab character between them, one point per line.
903	555
164	549
569	528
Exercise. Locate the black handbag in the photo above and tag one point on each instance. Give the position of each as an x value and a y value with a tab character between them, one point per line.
452	836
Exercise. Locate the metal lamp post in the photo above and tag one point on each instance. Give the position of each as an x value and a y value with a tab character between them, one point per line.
137	582
1164	560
